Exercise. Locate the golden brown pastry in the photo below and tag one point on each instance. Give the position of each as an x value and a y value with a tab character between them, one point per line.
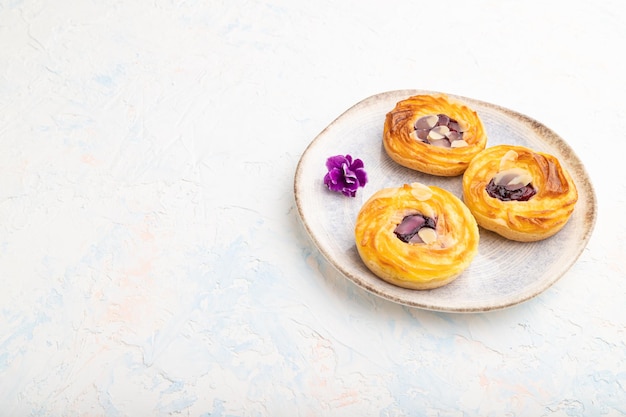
433	133
518	193
416	236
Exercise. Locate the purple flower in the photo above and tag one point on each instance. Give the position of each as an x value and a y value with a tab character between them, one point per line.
345	175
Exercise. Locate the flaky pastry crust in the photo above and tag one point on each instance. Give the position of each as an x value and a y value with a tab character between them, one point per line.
403	147
416	265
542	216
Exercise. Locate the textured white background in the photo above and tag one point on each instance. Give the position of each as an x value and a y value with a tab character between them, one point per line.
151	259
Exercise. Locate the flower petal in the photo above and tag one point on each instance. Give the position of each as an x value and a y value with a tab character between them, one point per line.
361	176
356	164
345	174
335	161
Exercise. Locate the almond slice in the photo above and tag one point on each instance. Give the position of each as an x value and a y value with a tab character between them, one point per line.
458	143
441	130
512	176
507	160
521	180
421	191
427	235
427	122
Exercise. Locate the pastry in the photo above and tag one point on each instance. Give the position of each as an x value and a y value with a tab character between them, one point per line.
416	236
434	134
519	193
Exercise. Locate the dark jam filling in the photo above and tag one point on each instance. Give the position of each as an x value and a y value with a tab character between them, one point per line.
505	193
407	230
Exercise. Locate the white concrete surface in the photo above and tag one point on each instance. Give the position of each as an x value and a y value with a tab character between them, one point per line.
151	258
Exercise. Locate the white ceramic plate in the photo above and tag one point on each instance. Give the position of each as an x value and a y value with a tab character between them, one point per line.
503	273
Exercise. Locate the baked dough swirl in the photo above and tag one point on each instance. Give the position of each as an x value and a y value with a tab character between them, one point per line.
416	265
542	215
404	147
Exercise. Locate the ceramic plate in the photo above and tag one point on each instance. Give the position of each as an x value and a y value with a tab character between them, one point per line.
503	273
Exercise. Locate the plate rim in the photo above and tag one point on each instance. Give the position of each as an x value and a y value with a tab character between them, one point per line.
542	130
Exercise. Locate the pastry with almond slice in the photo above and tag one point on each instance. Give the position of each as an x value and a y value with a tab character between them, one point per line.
416	236
433	133
519	193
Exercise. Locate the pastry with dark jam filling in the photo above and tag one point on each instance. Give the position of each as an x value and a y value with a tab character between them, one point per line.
519	193
416	236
